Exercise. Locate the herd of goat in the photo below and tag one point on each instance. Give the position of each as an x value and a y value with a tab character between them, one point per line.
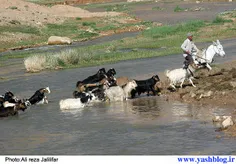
104	86
99	87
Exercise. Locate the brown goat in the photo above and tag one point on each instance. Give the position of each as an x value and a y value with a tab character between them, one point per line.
121	81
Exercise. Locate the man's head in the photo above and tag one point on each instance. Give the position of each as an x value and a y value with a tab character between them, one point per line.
190	36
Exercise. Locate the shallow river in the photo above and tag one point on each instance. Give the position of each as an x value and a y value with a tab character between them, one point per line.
145	125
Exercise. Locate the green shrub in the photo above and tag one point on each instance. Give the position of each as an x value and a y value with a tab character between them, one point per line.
178	9
13	7
220	20
89	24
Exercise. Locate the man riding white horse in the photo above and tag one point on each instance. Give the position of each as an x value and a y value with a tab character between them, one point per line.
188	48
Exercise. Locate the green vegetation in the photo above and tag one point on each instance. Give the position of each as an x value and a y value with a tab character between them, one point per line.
221	20
184	28
117	8
113	6
178	9
158	8
46	2
76	29
13	7
20	28
152	42
155	41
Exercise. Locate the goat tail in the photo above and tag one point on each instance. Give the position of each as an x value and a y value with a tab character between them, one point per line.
167	73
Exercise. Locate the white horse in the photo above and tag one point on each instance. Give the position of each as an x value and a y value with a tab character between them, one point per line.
206	57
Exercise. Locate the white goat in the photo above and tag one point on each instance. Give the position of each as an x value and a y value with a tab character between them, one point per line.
117	93
179	75
71	103
76	103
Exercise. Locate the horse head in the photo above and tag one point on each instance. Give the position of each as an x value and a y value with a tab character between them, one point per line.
219	48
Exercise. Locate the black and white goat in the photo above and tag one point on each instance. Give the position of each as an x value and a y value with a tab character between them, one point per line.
11	109
10	105
145	86
38	97
76	103
111	77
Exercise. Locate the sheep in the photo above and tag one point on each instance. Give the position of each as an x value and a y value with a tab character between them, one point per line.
117	93
179	75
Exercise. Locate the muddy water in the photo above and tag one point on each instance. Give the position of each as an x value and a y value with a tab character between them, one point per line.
145	125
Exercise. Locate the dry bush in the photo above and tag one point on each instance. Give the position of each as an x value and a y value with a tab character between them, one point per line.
35	63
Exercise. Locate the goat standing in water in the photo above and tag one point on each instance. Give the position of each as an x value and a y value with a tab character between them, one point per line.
117	93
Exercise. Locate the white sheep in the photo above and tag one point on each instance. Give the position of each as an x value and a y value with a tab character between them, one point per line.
179	75
117	93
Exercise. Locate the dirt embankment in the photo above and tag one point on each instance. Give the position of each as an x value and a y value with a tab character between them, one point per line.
22	12
217	87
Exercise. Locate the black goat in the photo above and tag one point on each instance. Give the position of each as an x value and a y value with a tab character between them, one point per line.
10	97
96	77
77	94
111	77
145	86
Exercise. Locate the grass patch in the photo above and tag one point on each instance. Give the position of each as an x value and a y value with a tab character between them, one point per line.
45	2
179	9
163	31
221	20
158	8
13	7
20	29
117	8
113	6
92	24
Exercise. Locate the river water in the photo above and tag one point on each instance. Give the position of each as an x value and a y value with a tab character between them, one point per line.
142	126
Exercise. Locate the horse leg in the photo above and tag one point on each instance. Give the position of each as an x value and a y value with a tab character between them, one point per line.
191	82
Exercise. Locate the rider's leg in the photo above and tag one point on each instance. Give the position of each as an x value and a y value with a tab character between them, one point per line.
188	60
